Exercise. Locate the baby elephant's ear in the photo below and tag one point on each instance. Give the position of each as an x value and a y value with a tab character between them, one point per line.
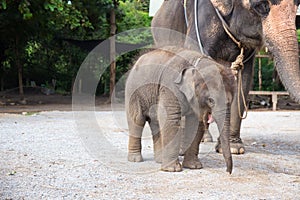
186	83
180	76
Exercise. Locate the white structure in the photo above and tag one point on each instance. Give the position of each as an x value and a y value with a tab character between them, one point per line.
154	6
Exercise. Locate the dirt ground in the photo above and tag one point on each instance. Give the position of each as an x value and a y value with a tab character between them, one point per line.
61	154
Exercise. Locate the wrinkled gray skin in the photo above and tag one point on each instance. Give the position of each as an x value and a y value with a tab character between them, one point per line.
253	23
166	85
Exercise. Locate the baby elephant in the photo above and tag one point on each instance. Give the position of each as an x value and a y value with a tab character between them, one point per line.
168	84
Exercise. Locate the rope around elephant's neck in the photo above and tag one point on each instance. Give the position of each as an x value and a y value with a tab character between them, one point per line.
226	28
237	67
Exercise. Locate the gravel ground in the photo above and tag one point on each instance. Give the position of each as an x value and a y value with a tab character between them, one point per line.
81	155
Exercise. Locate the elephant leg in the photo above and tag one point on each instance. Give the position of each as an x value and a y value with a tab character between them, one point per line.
169	116
170	146
207	137
134	143
193	135
182	148
154	126
236	143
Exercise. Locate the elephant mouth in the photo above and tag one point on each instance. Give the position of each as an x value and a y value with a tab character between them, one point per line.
208	118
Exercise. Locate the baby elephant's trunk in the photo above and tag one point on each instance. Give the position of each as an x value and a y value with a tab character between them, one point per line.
224	129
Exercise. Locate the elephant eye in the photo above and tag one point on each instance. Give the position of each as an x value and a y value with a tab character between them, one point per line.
211	102
261	7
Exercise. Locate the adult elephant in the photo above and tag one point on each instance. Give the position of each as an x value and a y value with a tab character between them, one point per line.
249	24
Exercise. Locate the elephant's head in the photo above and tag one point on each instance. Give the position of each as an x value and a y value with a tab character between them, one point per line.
209	90
244	19
252	22
272	22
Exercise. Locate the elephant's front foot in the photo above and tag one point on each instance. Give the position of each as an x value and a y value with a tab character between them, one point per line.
191	162
207	137
173	166
236	146
135	157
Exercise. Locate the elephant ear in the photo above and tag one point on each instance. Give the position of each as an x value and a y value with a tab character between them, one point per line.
224	6
186	83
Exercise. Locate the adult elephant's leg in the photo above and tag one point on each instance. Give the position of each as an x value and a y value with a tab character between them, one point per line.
207	137
236	144
193	134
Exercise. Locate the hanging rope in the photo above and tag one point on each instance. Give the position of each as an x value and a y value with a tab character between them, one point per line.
237	67
238	64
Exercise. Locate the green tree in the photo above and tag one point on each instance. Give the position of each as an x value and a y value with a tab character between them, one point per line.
270	79
25	21
33	33
129	15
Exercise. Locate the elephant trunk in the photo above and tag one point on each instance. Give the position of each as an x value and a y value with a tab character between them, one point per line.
223	124
281	39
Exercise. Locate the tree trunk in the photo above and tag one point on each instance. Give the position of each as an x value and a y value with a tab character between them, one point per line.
259	73
2	83
113	28
19	67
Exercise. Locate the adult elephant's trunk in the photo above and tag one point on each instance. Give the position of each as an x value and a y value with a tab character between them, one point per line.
223	124
281	39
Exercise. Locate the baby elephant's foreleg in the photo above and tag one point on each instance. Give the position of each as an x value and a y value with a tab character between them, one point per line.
169	117
193	134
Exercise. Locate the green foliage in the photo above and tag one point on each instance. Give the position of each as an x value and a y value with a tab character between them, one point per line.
67	17
132	18
46	61
32	31
24	9
3	4
142	5
131	15
269	80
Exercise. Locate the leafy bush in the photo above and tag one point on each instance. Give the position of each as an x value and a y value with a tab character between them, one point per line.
270	81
